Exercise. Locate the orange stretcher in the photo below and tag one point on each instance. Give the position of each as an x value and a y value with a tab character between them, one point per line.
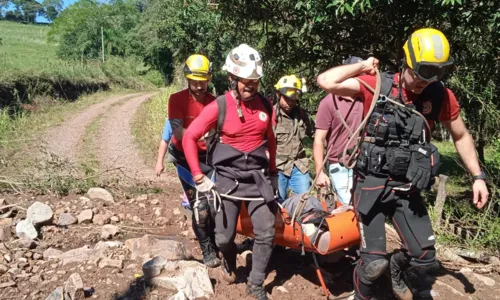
342	226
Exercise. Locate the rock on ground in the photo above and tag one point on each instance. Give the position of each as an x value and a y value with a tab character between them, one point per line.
7	284
5	232
153	267
66	219
51	253
142	198
82	254
39	213
3	269
25	242
189	277
101	219
148	246
110	263
101	246
26	229
109	231
73	288
85	216
485	280
100	194
57	294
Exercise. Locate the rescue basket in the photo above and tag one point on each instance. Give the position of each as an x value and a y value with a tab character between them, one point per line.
342	227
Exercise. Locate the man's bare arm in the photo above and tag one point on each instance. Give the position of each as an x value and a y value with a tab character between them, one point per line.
467	152
464	144
339	80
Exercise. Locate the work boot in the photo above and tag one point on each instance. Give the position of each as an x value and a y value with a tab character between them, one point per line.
228	271
210	258
399	286
257	291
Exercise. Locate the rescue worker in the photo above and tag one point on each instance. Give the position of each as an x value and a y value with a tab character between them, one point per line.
293	124
396	161
163	147
162	150
337	118
244	158
183	108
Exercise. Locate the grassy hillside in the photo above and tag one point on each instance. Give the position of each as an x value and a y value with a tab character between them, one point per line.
24	51
29	67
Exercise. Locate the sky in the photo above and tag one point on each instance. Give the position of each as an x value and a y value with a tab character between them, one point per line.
40	19
66	3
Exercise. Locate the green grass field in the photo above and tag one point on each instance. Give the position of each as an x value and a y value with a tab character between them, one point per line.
24	51
27	57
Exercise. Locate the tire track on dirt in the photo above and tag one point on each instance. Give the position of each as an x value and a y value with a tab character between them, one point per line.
115	143
65	140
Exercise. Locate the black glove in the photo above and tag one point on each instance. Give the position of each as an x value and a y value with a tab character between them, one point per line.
419	171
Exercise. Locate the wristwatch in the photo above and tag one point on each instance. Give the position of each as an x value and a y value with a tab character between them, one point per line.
480	176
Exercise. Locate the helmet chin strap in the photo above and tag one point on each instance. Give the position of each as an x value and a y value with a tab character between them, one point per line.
234	87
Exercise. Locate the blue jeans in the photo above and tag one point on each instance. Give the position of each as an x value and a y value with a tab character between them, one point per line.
342	179
297	181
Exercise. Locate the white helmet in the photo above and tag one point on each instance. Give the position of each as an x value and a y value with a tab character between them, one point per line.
244	62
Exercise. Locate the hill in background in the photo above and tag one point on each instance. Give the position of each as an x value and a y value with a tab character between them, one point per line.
29	67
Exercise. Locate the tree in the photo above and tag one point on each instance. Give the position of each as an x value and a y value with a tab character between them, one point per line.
171	30
26	10
78	28
306	37
51	13
52	8
475	32
310	36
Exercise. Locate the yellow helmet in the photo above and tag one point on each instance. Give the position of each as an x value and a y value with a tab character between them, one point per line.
198	67
291	86
427	52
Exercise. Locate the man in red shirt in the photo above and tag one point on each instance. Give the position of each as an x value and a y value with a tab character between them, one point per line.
183	108
244	158
396	160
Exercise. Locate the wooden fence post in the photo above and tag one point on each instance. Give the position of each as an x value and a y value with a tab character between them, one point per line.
441	198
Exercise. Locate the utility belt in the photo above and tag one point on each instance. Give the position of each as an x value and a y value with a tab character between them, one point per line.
176	155
395	147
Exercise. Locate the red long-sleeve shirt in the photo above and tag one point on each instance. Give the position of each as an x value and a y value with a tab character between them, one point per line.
244	134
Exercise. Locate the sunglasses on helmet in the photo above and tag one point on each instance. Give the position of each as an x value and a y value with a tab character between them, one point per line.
247	81
430	71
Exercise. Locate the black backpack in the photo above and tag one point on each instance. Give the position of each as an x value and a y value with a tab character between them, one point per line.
213	139
433	92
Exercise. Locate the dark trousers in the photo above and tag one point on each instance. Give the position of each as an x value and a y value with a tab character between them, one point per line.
407	212
263	217
204	228
410	219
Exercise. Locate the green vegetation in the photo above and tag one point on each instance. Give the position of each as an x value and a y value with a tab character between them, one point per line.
26	11
29	67
149	122
463	223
